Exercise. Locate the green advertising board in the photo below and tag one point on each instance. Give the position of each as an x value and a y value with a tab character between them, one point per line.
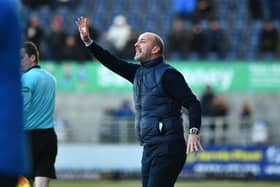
224	77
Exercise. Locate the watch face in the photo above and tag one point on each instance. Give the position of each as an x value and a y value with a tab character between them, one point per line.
193	131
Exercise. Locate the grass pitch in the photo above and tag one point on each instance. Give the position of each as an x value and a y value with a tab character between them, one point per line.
136	183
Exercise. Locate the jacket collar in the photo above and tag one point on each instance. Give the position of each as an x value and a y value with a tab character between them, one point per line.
153	62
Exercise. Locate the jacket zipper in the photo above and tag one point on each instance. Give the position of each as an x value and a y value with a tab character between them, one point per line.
140	101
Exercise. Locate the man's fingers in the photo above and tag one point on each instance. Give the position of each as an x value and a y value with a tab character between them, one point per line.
81	21
80	18
193	144
82	25
200	147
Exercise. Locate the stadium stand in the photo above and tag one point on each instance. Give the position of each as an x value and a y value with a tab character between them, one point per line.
155	15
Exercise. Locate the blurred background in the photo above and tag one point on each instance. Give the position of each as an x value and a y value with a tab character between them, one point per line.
228	51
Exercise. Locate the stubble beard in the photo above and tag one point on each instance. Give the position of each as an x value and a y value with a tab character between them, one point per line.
141	56
137	56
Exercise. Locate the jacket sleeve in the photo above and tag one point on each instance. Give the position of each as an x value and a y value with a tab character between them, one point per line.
115	64
182	93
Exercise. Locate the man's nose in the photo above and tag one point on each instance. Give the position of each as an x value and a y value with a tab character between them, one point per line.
136	44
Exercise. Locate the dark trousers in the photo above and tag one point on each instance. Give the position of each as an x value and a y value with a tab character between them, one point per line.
8	181
162	163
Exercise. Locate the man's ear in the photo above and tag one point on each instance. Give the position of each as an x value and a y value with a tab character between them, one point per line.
155	49
33	58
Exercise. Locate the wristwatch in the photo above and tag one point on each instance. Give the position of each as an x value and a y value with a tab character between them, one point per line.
194	130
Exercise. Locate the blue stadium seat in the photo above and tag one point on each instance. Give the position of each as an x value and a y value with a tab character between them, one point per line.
45	15
232	15
231	55
193	56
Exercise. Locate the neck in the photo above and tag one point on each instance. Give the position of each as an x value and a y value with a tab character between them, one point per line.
31	67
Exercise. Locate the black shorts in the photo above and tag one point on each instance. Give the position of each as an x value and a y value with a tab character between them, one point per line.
43	145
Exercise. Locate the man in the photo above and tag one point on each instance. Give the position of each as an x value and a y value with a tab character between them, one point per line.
159	93
38	88
11	133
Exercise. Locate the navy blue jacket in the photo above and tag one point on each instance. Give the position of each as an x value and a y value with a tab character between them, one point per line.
159	93
158	116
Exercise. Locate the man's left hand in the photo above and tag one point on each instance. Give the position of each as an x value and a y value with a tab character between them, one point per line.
193	144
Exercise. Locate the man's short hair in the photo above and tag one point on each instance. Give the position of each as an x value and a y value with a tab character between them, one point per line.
31	49
158	42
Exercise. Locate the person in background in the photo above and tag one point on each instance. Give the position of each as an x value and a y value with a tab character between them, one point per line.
255	8
215	40
38	89
205	9
124	110
268	41
158	102
207	100
34	32
246	122
69	51
55	39
197	41
119	33
177	41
